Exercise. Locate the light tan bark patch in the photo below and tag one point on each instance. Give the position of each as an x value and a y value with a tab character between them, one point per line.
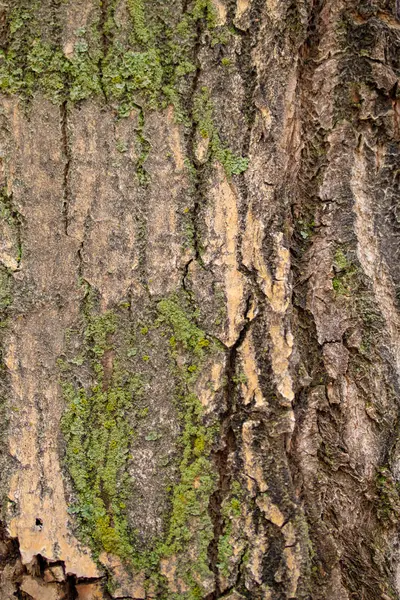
223	224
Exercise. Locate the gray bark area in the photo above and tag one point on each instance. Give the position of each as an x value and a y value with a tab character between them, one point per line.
199	295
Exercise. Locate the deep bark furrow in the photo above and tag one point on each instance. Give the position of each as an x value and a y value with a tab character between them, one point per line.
67	158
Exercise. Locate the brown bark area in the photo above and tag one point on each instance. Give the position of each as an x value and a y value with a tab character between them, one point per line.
246	319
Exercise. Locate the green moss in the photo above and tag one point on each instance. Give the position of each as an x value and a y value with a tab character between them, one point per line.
306	228
197	482
121	146
226	62
239	378
338	286
230	511
97	426
137	12
98	436
203	117
153	70
388	496
150	68
190	525
344	280
185	331
232	163
341	262
127	73
31	64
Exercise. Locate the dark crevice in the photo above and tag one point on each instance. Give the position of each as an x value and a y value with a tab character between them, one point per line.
247	68
39	569
185	275
227	447
197	171
106	8
144	148
220	458
191	139
80	258
56	26
81	248
185	6
67	157
228	443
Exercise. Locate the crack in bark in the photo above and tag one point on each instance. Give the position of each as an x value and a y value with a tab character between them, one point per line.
67	166
220	457
185	275
105	41
35	571
190	142
247	68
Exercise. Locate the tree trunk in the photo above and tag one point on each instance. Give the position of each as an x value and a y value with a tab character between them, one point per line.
200	280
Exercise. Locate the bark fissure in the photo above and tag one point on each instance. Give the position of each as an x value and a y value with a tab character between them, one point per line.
67	158
190	142
226	450
40	576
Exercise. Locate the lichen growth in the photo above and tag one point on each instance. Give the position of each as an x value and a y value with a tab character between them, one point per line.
149	66
99	426
186	333
231	510
388	496
98	436
306	228
32	63
190	524
203	118
344	279
137	12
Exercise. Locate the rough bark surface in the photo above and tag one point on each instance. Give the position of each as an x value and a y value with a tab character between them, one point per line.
199	296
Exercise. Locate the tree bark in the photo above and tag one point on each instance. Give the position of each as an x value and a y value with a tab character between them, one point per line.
199	269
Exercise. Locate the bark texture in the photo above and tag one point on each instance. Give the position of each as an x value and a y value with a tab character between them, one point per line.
199	295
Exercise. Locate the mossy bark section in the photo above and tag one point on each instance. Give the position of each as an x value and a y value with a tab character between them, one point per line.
199	300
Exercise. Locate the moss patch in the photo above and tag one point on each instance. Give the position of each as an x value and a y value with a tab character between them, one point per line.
230	512
98	435
388	496
34	61
150	65
203	117
149	62
344	280
190	524
99	425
